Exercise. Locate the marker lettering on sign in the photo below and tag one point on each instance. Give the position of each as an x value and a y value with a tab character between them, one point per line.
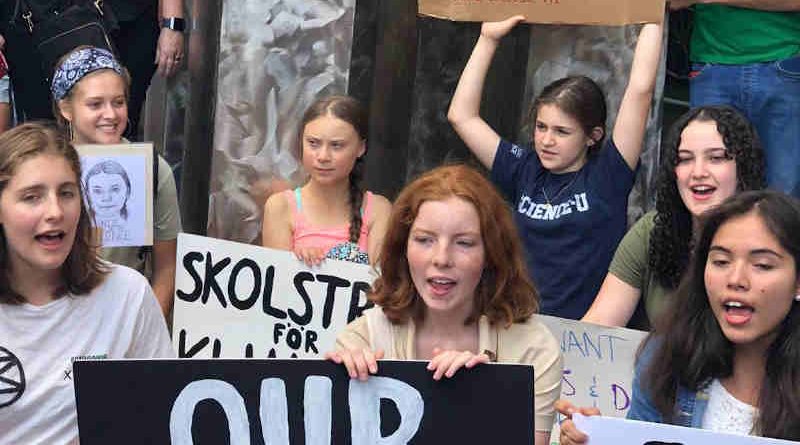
600	347
621	399
364	399
262	282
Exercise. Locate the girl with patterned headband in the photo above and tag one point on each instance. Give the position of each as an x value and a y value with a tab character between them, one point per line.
90	97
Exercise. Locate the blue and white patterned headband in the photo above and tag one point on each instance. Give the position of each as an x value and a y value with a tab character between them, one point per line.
78	64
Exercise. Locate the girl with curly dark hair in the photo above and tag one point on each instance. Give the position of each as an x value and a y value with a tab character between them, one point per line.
454	290
725	355
712	153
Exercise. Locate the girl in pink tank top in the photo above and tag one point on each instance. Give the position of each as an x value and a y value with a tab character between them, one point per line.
331	216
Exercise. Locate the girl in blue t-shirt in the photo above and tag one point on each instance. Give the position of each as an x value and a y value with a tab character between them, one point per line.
570	192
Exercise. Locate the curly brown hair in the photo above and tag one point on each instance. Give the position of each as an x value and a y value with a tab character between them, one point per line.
671	238
83	270
504	294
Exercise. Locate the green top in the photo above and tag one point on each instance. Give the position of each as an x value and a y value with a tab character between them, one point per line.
731	35
631	264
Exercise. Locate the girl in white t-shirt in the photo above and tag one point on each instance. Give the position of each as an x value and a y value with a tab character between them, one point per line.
58	300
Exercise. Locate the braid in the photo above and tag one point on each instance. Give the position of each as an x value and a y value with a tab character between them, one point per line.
356	198
352	112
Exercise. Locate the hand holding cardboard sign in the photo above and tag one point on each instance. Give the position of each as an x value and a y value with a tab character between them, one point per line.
312	256
674	5
497	30
570	434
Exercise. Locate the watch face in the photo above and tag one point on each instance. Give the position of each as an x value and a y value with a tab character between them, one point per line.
174	23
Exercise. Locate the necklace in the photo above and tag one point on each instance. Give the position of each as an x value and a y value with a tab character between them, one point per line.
548	200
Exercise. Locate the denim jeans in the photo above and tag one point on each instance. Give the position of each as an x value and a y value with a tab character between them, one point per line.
769	95
5	96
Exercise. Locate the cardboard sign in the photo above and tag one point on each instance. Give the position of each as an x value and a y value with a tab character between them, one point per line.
118	189
605	430
236	301
598	365
279	402
576	12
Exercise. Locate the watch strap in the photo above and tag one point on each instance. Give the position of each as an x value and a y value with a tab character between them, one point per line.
174	23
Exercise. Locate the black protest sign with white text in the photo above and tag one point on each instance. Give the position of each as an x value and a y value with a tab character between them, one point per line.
298	401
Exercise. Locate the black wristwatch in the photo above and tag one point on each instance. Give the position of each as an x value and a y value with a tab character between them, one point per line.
174	23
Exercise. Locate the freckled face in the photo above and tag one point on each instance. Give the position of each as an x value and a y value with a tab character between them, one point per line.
446	255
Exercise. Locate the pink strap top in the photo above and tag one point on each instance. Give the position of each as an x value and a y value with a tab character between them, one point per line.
307	235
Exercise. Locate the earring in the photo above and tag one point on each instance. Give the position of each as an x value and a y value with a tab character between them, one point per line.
69	131
797	297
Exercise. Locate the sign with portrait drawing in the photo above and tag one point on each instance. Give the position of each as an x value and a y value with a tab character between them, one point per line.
117	183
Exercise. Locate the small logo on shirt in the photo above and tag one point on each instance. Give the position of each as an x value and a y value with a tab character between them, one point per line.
68	370
517	151
12	378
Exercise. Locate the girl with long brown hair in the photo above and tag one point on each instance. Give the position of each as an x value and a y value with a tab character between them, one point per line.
59	301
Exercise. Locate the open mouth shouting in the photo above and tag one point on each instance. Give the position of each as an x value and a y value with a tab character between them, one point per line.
441	286
737	313
702	192
51	239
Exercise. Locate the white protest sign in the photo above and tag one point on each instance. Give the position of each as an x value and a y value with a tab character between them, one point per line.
598	365
608	430
118	190
235	300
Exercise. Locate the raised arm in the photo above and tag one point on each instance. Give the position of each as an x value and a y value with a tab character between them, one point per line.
464	112
614	304
635	107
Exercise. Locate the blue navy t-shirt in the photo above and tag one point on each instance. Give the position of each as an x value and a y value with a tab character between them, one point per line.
569	242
